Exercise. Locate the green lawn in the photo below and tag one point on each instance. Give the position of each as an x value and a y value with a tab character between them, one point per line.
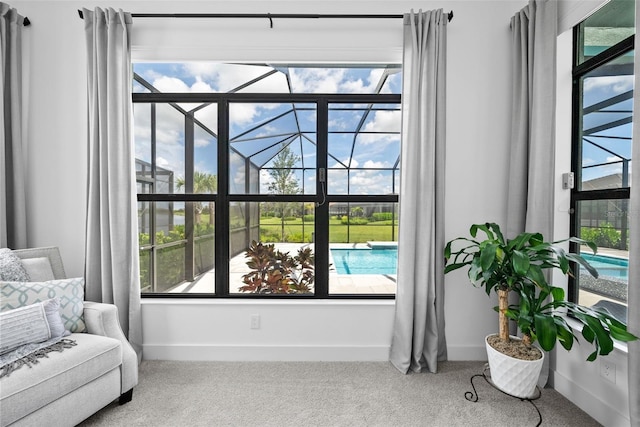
271	231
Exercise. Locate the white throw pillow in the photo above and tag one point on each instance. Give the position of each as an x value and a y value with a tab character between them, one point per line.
38	269
24	325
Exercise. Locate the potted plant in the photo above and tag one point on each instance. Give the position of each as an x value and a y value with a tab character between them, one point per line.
518	265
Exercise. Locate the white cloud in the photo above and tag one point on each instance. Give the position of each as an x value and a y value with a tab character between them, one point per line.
242	113
354	162
162	162
358	86
170	84
617	84
316	80
370	182
383	121
201	86
370	164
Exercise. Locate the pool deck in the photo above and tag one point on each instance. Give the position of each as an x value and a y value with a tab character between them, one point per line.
338	283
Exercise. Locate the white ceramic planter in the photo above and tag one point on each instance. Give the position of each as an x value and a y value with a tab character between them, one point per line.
513	376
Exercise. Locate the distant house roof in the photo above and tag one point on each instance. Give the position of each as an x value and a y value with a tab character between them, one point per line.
604	182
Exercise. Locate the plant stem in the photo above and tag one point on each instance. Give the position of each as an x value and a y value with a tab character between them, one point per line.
503	305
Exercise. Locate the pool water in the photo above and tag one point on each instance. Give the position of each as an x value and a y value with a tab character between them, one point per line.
365	261
609	266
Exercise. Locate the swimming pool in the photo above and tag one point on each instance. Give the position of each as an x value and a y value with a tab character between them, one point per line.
609	266
365	261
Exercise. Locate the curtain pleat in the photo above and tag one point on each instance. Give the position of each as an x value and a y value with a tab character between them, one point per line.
13	211
633	292
418	340
111	252
530	200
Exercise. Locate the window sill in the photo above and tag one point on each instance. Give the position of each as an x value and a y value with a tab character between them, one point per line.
268	302
617	345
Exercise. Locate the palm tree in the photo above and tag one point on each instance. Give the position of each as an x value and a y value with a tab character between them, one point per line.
202	183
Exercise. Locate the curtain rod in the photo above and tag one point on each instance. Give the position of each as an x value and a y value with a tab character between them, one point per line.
268	16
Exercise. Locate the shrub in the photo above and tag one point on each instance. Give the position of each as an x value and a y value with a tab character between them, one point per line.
309	218
353	221
274	272
268	235
382	216
605	236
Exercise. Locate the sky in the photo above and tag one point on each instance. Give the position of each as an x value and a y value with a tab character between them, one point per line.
597	89
254	127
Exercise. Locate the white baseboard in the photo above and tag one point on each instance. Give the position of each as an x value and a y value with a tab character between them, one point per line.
591	404
306	353
251	353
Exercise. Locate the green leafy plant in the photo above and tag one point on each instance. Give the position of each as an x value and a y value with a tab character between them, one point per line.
604	236
497	264
275	272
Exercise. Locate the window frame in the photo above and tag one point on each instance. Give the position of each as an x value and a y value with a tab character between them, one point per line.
579	70
222	198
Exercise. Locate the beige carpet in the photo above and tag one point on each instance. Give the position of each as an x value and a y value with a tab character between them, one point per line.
324	394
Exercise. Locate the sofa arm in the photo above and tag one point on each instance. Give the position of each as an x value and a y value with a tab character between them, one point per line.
102	319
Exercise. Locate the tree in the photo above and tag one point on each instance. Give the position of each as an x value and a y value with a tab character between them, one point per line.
283	179
202	183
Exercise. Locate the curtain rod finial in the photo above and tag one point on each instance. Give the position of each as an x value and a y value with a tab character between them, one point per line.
26	22
80	14
450	16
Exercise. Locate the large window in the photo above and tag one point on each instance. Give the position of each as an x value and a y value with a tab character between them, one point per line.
603	109
258	180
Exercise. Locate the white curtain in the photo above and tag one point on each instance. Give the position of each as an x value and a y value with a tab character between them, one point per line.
532	158
418	340
13	212
633	292
111	253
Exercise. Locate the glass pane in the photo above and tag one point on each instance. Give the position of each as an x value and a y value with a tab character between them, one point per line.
177	250
606	134
170	150
363	250
146	269
142	115
272	148
282	232
205	154
609	25
217	77
364	148
605	222
365	79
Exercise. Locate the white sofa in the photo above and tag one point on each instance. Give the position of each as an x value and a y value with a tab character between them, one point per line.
67	387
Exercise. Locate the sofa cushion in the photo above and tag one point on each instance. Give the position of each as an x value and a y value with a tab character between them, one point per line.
27	390
38	269
69	291
11	267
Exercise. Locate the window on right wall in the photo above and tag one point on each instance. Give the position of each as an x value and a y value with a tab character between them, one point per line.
603	79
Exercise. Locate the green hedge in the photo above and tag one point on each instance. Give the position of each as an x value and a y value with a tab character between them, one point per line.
381	216
353	220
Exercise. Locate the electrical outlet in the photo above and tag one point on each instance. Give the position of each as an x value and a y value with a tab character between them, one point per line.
608	370
255	321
